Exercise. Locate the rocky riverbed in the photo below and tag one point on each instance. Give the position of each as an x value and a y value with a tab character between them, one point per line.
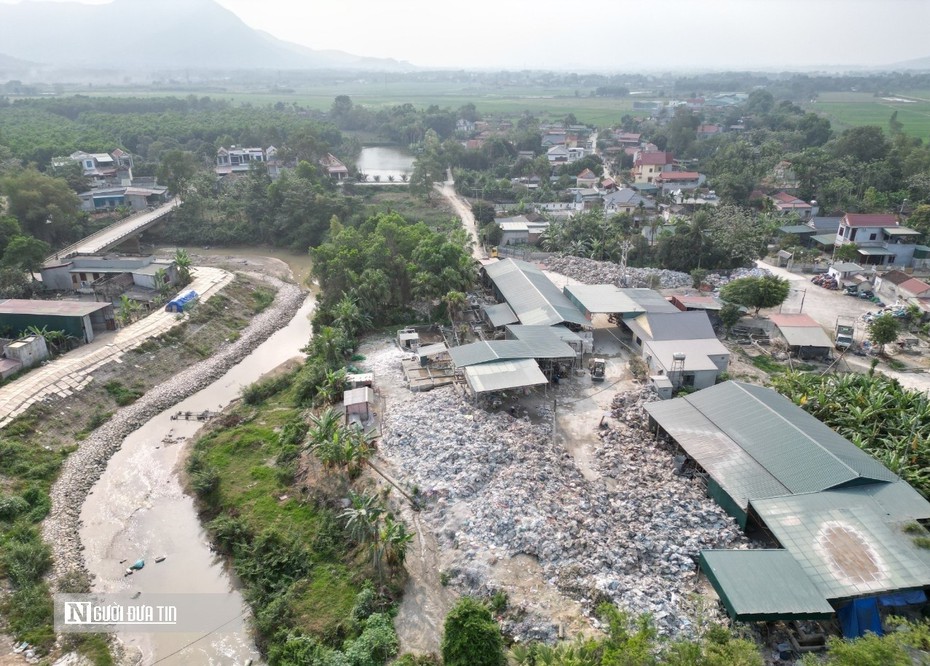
83	467
497	487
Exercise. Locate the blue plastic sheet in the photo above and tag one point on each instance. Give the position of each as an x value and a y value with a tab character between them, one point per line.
859	617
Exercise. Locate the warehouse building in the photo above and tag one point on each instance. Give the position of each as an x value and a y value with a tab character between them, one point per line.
532	297
79	319
846	521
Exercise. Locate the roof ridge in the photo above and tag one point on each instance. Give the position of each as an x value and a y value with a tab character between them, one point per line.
741	386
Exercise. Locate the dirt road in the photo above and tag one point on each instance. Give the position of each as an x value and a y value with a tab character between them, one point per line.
463	210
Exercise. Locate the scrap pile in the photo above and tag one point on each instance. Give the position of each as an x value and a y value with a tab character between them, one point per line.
497	486
589	271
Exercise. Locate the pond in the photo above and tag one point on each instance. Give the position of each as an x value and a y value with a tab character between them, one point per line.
384	162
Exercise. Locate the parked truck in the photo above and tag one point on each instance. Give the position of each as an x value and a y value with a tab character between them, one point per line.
843	333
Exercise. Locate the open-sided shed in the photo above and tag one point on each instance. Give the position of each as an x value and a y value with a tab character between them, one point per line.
763	586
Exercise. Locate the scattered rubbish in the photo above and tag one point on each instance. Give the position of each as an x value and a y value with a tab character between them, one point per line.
160	558
137	595
205	415
123	561
138	564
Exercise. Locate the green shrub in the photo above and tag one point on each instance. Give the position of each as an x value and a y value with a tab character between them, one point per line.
262	298
230	533
471	637
122	395
12	506
376	645
25	562
29	614
258	392
364	603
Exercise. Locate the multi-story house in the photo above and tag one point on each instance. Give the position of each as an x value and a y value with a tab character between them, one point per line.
879	238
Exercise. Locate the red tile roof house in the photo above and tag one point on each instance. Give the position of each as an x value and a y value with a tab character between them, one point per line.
648	165
586	178
669	181
880	239
788	204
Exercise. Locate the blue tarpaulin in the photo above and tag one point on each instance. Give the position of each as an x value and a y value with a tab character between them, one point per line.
859	617
909	598
181	302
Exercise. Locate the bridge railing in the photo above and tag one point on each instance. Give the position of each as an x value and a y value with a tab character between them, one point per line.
68	252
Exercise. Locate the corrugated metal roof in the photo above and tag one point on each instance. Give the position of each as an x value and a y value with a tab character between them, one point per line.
845	267
504	375
900	231
805	336
358	396
875	252
432	350
734	470
797	449
755	443
824	239
500	315
697	353
675	325
897	499
763	585
531	295
650	300
847	545
476	353
530	333
602	298
796	229
53	308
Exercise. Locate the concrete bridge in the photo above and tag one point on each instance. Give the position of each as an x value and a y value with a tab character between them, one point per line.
115	234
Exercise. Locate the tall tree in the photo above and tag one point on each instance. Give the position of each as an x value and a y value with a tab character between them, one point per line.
44	206
471	637
883	330
756	292
26	253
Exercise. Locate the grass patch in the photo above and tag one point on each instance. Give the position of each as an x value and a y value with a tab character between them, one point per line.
768	364
922	542
914	528
303	573
895	364
262	298
121	394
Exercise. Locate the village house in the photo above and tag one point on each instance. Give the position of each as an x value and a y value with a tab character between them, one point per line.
101	168
334	168
586	178
675	181
626	200
239	160
879	238
648	165
788	204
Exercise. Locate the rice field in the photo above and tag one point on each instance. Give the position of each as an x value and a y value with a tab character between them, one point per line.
853	109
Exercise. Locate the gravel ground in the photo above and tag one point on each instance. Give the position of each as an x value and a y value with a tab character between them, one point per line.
496	487
83	467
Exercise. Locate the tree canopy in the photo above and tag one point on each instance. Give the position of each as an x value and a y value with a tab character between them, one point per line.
756	292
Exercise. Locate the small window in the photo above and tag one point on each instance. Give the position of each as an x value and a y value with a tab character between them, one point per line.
873	236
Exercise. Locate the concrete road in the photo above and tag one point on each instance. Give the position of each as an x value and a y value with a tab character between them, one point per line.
74	370
825	306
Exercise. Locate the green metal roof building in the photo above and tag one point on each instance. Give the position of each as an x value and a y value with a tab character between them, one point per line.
839	514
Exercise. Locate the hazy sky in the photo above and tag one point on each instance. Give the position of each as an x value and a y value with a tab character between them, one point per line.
612	34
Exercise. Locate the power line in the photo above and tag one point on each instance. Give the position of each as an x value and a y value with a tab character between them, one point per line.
197	640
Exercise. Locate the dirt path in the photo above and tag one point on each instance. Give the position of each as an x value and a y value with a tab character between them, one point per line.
463	210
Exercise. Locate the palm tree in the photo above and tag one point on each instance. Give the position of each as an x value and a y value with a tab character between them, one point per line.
349	316
455	301
362	517
333	384
396	539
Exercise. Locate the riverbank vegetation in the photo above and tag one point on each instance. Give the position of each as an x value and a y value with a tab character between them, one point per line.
34	446
319	554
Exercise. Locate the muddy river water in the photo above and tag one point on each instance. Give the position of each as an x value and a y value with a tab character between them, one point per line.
138	510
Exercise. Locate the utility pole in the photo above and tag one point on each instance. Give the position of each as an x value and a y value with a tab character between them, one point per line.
625	248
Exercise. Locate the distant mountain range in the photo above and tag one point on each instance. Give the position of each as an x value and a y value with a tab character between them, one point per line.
156	35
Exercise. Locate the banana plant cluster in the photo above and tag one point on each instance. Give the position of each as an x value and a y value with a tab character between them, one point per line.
875	413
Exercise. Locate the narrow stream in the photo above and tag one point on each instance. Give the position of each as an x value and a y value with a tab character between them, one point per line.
138	510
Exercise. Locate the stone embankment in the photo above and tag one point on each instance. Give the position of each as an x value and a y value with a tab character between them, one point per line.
83	467
496	486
